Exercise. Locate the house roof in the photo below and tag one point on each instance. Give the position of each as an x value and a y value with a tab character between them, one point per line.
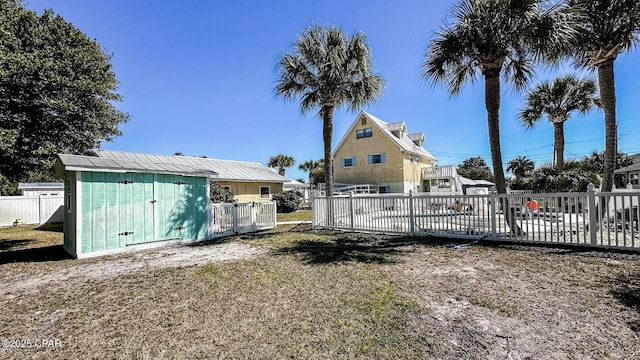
632	167
470	182
405	142
40	185
120	161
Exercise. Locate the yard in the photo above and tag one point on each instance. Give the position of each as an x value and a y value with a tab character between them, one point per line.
295	293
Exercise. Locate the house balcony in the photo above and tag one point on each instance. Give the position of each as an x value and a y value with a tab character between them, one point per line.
439	172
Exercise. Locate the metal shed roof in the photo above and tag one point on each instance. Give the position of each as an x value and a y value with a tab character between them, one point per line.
230	170
93	163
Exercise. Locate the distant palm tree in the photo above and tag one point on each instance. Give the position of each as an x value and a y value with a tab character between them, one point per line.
309	166
281	162
606	29
328	69
494	38
520	167
556	101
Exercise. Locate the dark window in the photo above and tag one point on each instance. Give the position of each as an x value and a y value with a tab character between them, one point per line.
376	159
348	162
364	133
264	192
363	121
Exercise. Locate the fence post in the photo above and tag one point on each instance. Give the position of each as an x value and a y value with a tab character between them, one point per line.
412	222
274	211
235	219
493	214
593	214
351	212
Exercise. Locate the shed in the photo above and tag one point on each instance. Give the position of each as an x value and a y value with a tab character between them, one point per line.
41	189
112	205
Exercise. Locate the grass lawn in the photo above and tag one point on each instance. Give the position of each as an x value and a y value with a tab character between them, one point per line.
306	294
300	215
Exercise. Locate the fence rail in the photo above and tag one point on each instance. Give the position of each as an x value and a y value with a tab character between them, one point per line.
16	210
561	218
233	219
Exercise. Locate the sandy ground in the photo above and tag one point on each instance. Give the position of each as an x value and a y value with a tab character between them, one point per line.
17	280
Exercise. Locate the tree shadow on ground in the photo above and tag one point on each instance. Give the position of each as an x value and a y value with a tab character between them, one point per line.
626	289
364	248
38	254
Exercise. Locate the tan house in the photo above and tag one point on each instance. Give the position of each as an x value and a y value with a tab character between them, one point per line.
248	181
375	156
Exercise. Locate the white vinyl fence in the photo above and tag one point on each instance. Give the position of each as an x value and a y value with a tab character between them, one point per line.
15	210
561	218
233	219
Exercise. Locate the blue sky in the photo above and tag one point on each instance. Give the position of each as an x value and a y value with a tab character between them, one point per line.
197	77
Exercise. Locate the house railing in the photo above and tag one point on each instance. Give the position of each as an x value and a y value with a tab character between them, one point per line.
233	219
608	220
436	172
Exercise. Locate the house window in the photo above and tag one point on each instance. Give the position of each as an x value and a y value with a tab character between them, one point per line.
364	133
264	192
384	189
363	121
348	162
410	158
377	159
417	158
634	179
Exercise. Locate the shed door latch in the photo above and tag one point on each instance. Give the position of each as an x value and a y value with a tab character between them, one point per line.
126	233
125	182
178	228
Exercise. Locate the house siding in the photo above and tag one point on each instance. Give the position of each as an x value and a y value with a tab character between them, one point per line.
250	191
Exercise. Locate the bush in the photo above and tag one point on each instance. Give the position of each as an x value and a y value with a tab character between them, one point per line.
219	194
287	201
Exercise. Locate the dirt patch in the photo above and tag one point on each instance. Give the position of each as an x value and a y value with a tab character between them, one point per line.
16	280
506	303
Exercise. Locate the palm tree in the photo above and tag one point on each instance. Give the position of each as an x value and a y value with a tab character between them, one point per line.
328	69
556	101
281	162
606	29
520	167
494	38
311	165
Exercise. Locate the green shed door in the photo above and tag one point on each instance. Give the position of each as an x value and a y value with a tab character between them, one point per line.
140	209
181	207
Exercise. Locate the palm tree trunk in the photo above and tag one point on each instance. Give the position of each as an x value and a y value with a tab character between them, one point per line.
606	82
558	145
492	103
327	137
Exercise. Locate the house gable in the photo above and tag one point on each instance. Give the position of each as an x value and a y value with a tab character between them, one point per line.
375	152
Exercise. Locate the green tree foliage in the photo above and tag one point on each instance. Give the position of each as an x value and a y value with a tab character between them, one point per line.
219	194
497	39
556	101
606	28
328	69
281	162
475	168
596	160
57	89
287	201
520	167
313	167
573	179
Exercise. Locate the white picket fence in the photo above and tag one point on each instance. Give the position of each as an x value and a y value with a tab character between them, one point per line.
233	219
561	218
15	210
